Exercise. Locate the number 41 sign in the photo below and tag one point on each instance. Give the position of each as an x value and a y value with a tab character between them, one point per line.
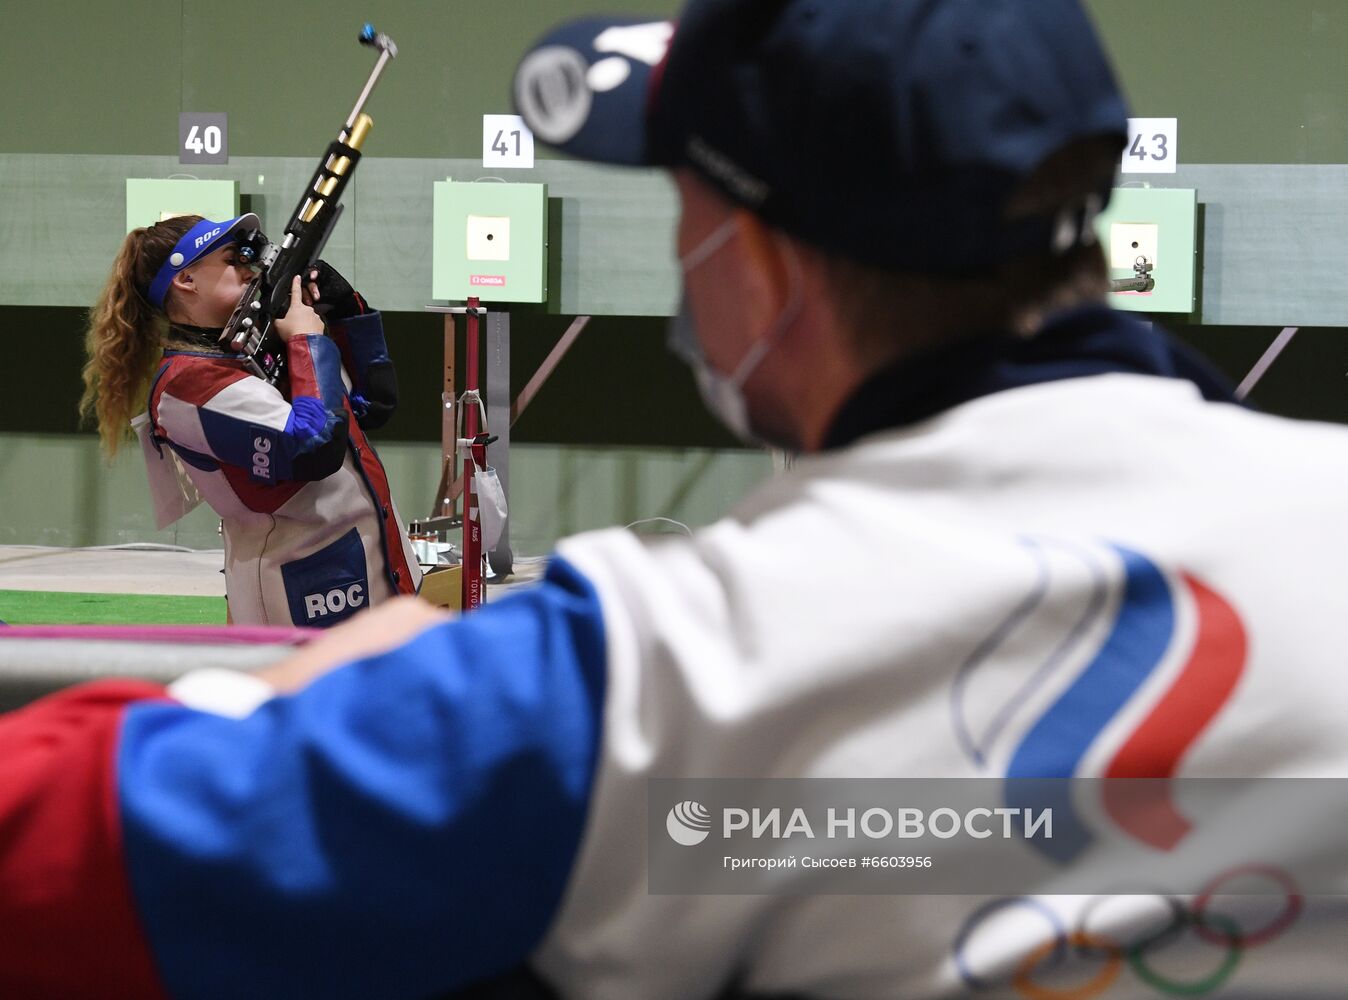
506	142
1153	146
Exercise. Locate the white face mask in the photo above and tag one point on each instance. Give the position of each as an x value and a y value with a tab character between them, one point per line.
491	505
723	394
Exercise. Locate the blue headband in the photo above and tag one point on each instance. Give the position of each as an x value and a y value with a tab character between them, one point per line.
200	240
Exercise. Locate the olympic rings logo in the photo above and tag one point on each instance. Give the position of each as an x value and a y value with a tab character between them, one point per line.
1212	928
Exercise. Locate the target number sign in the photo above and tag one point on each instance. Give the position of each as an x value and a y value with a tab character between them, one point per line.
1153	146
203	137
507	142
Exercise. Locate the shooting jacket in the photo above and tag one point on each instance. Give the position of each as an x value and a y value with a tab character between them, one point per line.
310	528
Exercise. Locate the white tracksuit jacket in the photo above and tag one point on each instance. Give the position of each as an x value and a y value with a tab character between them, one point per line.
1043	559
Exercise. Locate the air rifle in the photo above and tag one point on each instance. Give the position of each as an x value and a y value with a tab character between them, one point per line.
250	330
1141	281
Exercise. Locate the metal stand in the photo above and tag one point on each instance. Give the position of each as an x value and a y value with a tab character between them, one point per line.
501	558
1262	366
447	494
474	454
470	445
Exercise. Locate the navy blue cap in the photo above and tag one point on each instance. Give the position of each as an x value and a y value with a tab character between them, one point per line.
203	238
892	132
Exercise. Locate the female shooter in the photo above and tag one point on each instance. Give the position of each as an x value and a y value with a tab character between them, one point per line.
311	533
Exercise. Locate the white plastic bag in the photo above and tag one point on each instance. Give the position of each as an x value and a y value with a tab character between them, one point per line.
172	491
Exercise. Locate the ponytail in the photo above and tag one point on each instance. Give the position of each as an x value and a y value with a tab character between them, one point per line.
124	342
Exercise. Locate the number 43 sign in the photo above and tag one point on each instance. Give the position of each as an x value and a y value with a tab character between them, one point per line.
1153	146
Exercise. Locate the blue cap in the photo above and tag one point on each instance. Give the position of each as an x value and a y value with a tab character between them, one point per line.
203	238
892	132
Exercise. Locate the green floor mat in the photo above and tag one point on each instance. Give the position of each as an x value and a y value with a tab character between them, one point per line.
37	607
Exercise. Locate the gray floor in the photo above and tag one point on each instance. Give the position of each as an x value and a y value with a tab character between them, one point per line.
146	570
121	570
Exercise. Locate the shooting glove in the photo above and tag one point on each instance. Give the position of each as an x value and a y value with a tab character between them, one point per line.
336	298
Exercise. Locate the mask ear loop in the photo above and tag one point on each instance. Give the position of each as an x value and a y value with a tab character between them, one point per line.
682	340
704	251
790	314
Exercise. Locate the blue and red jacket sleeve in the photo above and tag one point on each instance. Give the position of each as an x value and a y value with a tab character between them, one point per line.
374	381
214	413
405	825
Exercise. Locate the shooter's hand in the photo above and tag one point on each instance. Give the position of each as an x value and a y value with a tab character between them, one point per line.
331	294
300	319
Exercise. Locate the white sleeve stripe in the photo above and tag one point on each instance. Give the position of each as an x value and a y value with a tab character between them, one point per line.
252	401
181	424
229	693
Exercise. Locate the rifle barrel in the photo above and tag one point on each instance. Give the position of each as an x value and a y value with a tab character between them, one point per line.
385	54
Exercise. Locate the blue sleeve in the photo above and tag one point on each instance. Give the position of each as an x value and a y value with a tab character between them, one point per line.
361	338
404	825
374	381
255	428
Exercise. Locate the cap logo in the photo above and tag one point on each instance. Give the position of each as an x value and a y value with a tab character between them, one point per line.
646	43
608	74
553	94
738	181
206	237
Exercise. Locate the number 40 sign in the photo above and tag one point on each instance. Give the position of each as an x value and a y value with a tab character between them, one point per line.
203	137
1153	146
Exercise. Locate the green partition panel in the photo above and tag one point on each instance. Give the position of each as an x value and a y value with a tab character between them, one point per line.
150	200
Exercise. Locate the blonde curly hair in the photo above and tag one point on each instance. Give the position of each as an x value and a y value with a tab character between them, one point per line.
124	342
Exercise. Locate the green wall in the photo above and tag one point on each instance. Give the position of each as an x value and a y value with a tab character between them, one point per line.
90	94
1253	81
287	73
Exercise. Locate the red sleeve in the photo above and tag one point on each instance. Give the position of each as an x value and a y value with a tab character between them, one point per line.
68	926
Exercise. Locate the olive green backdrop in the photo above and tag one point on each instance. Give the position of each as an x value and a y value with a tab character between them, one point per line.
90	94
1252	81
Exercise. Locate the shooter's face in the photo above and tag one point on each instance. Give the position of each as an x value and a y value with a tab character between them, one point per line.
210	289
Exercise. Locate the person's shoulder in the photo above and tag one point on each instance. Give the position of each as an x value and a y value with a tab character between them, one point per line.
195	378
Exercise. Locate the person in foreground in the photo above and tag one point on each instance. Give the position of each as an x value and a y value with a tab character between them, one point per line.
310	529
1027	537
